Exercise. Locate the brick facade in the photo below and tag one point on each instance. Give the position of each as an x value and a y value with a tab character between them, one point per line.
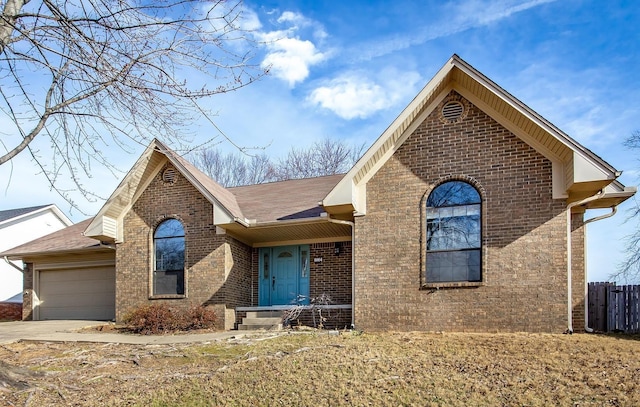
10	311
216	265
524	264
27	293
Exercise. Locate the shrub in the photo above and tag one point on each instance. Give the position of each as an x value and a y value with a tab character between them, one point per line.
161	318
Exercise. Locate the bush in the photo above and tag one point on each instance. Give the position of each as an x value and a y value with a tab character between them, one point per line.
161	318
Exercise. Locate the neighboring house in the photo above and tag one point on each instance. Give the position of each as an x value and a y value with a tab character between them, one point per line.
21	225
11	308
467	214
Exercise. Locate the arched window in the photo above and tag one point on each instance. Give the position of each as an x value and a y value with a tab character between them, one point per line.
168	246
453	233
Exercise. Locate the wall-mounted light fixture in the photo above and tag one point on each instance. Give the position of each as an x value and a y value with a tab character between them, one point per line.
336	248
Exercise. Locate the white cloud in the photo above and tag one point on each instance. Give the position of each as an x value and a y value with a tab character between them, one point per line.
353	95
290	16
290	58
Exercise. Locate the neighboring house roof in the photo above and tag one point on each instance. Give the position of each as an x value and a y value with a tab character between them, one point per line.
67	240
577	172
12	215
16	299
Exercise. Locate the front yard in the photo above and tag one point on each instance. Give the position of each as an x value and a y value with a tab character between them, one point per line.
318	369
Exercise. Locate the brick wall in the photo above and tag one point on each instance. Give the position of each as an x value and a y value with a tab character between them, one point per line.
577	270
333	275
10	311
27	296
216	265
524	284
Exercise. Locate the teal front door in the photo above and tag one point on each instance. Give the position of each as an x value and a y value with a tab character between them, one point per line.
284	275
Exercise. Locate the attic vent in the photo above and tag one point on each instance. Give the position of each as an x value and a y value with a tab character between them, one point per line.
452	111
169	175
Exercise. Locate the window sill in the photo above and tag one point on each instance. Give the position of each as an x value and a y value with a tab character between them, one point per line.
457	284
167	297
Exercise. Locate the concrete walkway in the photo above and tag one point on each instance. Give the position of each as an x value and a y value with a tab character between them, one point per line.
67	331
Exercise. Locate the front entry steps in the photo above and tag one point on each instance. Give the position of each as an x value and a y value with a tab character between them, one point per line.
268	320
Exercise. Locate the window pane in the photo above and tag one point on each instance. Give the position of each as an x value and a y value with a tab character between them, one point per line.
461	232
169	228
170	253
453	193
168	282
453	266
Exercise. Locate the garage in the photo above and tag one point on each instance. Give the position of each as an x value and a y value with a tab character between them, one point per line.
78	293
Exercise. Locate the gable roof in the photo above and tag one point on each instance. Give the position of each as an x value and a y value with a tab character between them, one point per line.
107	224
577	171
12	215
238	209
67	240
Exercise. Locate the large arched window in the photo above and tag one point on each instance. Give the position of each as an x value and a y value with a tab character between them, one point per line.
453	233
168	245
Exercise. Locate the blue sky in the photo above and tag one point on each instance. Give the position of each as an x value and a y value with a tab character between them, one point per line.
346	70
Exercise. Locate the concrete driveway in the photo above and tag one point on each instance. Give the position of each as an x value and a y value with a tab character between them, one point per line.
67	331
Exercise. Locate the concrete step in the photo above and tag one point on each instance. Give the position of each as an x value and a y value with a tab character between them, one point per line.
255	327
262	321
264	314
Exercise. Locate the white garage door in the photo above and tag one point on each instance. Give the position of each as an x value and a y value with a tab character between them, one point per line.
87	293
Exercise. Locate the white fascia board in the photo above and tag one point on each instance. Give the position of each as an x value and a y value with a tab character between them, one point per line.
60	215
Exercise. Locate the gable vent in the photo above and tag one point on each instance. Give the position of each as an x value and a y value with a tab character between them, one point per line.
452	111
169	175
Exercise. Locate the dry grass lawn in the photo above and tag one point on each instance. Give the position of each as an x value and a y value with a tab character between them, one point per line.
381	369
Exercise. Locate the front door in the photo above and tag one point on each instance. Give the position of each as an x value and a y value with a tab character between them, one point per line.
284	275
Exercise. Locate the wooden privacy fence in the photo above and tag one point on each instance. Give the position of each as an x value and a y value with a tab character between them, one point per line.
614	308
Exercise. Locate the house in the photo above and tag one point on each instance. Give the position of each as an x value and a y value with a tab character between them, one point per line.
11	308
18	226
467	214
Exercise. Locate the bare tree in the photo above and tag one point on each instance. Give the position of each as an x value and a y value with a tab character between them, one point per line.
234	169
629	270
326	157
87	74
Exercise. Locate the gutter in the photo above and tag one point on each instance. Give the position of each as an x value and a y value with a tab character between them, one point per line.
353	266
13	265
599	195
614	209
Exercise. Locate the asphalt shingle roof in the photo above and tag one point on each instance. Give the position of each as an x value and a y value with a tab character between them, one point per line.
14	213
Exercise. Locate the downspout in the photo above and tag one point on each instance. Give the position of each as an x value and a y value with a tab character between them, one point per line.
353	266
13	265
599	195
614	209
